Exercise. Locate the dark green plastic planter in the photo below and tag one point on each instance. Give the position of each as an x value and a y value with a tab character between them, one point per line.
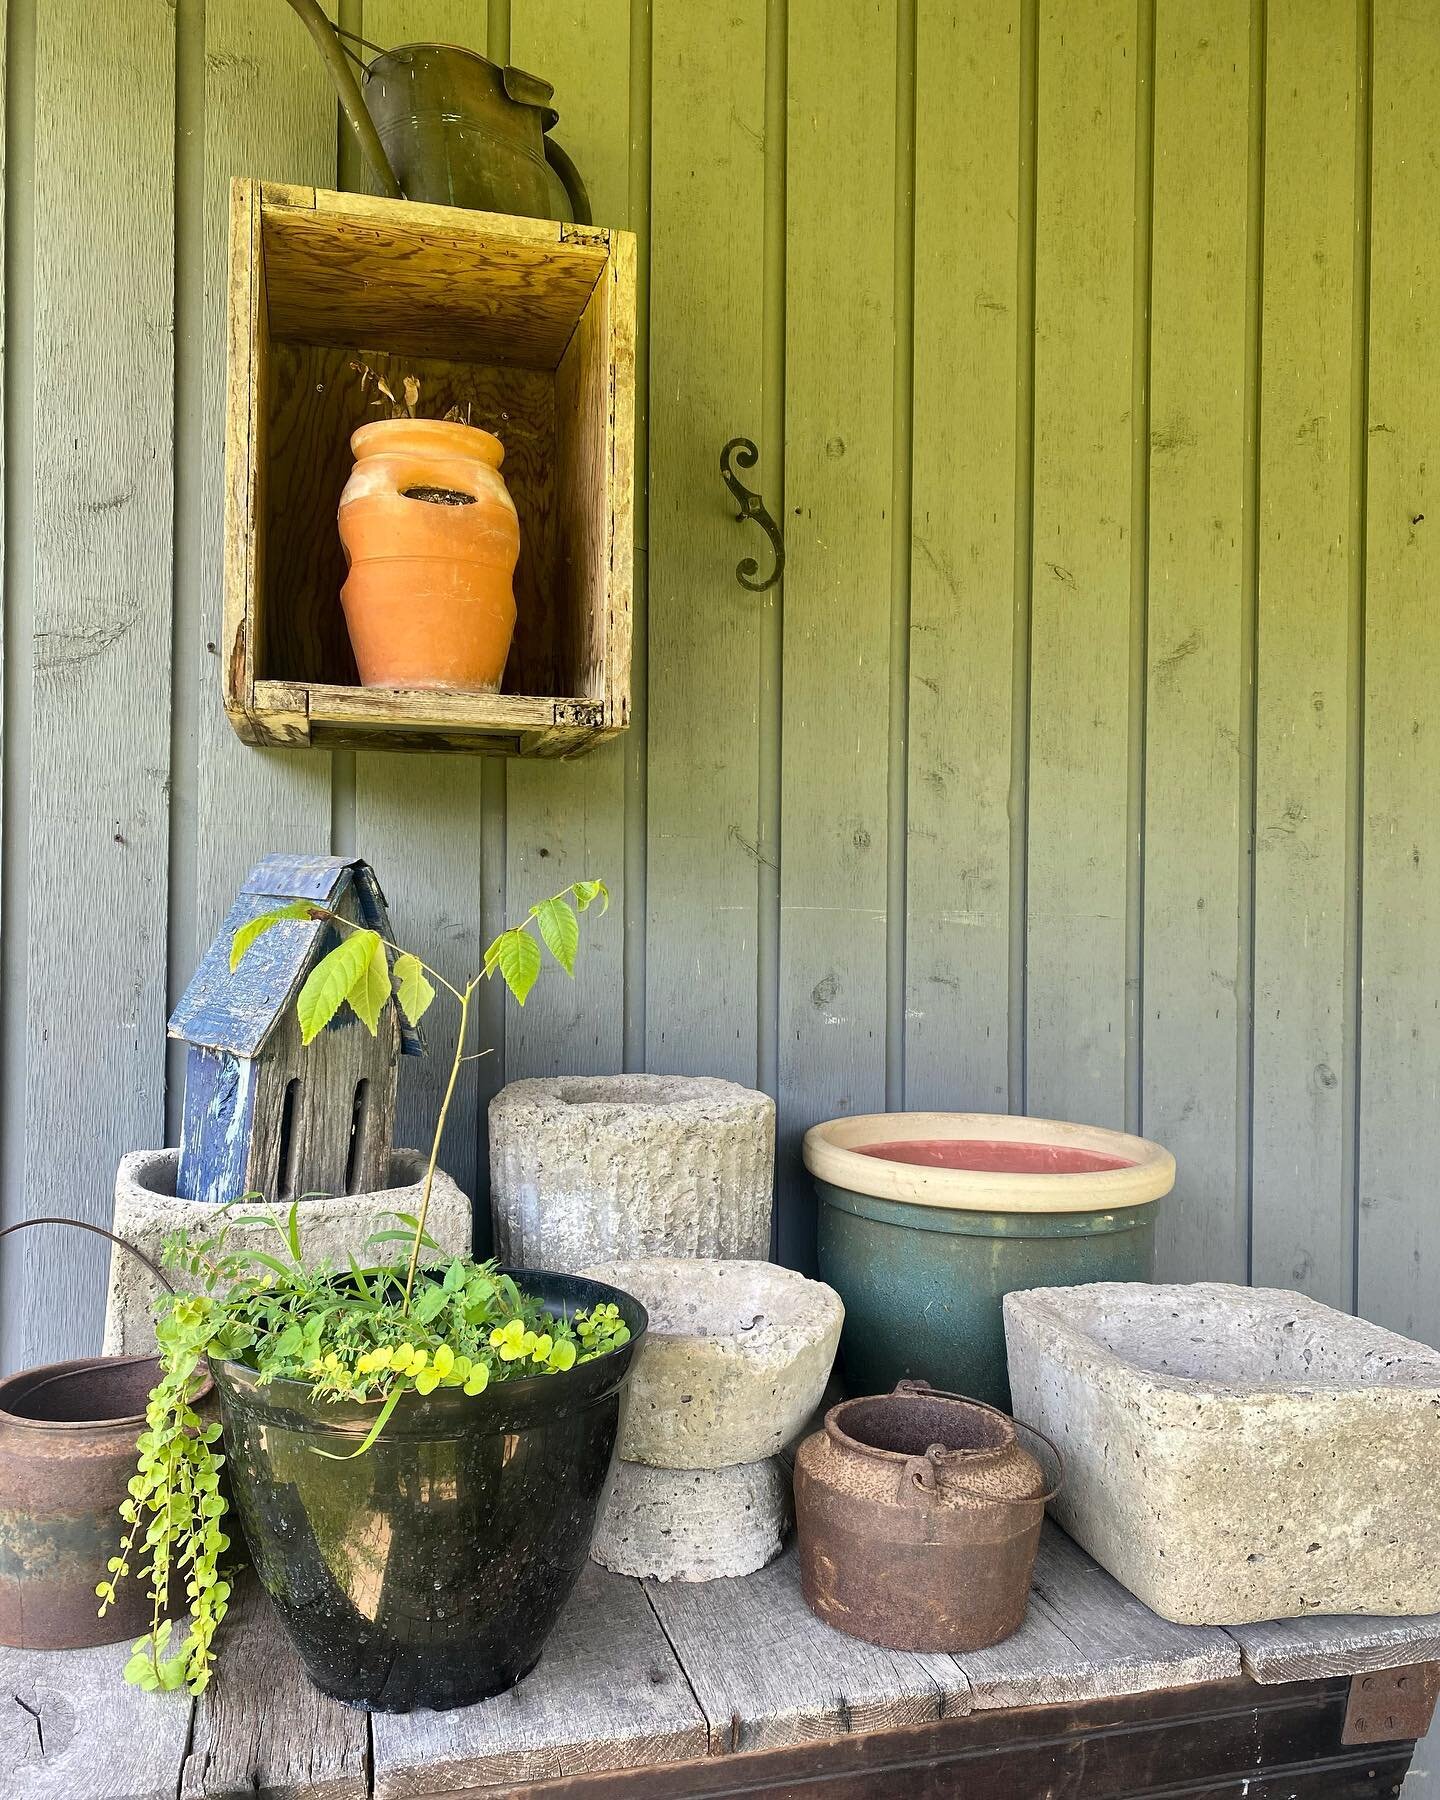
923	1283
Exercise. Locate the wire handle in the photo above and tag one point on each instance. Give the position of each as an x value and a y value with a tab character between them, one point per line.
920	1472
99	1231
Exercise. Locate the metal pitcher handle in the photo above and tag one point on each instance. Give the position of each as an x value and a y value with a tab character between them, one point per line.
99	1231
570	179
913	1478
352	101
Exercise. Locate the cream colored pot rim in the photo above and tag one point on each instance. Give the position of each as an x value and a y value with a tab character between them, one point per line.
832	1154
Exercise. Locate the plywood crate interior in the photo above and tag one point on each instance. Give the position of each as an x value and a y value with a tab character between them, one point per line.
530	325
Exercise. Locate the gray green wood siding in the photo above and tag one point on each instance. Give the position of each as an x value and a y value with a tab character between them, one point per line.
1085	763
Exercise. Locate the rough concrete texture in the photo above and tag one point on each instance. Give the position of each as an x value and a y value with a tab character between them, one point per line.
1236	1454
584	1169
694	1524
146	1212
735	1360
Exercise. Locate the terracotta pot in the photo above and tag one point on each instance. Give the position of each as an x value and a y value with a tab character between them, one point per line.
431	539
919	1519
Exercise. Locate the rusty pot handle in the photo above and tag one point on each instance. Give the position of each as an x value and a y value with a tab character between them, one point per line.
913	1478
919	1476
99	1231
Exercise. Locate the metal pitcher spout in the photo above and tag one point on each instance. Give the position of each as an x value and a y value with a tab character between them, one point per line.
347	88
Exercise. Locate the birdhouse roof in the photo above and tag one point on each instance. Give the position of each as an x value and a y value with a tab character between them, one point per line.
238	1011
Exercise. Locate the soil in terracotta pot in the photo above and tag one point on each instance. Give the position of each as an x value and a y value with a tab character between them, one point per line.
995	1156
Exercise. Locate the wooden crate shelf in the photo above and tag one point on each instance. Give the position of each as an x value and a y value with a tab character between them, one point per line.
531	323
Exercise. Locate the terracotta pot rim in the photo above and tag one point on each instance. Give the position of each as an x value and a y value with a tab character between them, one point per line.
837	1433
378	436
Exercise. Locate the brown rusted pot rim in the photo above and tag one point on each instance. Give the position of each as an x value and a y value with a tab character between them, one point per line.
76	1366
837	1433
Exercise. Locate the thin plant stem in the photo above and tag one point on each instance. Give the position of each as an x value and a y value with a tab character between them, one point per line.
460	1037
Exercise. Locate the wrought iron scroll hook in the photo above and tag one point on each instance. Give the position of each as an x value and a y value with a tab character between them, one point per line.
743	452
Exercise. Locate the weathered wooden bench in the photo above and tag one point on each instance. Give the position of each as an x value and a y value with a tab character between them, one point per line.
734	1688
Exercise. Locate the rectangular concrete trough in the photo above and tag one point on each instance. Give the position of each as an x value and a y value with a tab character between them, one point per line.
1236	1453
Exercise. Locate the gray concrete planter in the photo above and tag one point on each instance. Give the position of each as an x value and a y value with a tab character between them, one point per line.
694	1524
1236	1454
735	1361
587	1169
146	1212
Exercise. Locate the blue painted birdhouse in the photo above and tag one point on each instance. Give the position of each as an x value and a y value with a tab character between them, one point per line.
264	1114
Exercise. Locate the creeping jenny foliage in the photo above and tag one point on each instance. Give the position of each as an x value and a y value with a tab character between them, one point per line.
408	1323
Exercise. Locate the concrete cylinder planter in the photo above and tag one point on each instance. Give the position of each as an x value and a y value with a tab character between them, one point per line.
927	1220
587	1169
735	1362
694	1524
146	1212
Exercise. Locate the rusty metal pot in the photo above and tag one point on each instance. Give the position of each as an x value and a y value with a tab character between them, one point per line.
67	1452
919	1516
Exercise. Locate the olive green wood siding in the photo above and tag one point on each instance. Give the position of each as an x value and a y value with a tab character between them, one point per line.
1083	762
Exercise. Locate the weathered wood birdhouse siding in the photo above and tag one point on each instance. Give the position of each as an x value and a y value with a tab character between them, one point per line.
264	1114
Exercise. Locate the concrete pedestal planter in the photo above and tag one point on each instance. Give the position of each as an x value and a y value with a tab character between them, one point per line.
1237	1454
146	1212
735	1362
927	1220
587	1169
694	1524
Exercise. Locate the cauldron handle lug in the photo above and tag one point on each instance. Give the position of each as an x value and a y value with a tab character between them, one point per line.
919	1476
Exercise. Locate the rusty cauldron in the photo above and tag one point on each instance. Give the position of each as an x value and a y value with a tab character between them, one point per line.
919	1516
67	1453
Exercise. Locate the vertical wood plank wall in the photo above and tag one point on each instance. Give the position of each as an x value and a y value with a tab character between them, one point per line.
1085	761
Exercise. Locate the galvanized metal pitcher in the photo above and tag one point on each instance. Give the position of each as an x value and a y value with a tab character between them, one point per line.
449	127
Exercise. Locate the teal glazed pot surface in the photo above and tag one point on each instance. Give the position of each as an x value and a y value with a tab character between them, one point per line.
928	1219
923	1285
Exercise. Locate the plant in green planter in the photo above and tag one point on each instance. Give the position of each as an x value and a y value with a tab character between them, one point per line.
396	1378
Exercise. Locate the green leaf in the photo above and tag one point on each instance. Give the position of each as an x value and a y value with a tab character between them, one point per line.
266	1261
370	1436
587	891
372	988
517	956
330	981
292	1230
412	990
560	929
254	928
429	1304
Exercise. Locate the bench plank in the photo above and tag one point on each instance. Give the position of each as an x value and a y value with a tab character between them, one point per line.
70	1729
1039	1666
767	1673
1335	1644
1123	1647
608	1694
262	1729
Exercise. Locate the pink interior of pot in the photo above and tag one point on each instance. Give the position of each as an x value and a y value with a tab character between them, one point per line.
995	1155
